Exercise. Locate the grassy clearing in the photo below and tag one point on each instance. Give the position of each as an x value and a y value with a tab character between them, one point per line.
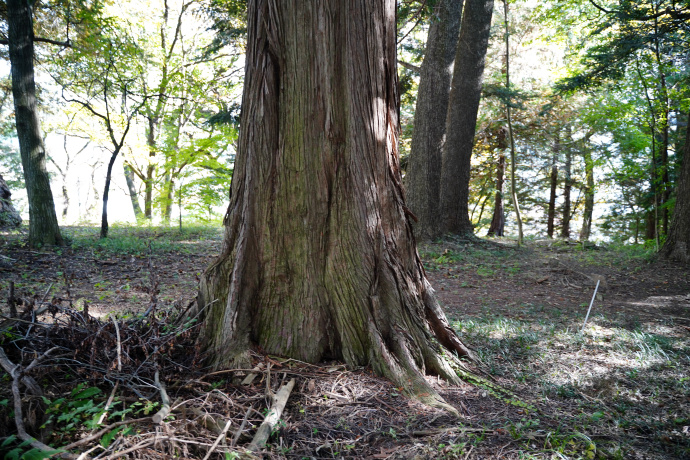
621	389
136	240
618	390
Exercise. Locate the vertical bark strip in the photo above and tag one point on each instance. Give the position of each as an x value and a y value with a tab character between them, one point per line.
553	178
132	189
423	180
318	259
43	225
513	153
677	244
589	196
498	220
106	193
567	188
465	93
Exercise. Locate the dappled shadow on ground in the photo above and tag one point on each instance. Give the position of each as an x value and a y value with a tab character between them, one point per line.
115	275
620	389
624	383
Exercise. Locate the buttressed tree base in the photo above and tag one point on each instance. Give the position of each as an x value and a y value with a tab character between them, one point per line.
318	259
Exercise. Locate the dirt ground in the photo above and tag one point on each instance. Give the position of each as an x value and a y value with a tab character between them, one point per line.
620	389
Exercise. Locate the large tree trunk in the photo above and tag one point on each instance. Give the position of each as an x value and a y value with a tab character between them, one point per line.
43	225
318	259
465	93
677	245
589	196
423	178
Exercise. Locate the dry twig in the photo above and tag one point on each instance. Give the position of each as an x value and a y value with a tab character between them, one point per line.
264	431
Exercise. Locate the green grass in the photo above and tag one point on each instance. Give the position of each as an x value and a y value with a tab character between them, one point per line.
609	380
139	240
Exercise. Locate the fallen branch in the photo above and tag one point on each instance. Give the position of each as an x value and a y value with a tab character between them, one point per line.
101	432
436	431
107	404
119	345
264	431
218	439
241	428
159	416
17	373
122	453
28	381
207	420
252	375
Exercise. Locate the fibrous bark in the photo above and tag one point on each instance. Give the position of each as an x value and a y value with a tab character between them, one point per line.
43	224
465	93
677	245
423	179
318	259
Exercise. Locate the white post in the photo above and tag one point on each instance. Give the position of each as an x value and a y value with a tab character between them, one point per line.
590	306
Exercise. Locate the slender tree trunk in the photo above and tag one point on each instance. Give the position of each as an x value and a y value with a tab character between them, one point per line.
567	188
513	153
43	225
677	245
423	179
318	259
106	193
664	128
150	168
482	207
461	121
132	189
665	180
168	191
498	220
551	217
589	196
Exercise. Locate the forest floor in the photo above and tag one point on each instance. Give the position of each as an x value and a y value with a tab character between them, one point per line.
620	389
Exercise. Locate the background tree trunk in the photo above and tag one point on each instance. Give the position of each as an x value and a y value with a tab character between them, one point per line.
106	192
43	225
318	259
133	195
677	245
551	217
423	178
499	219
465	93
567	188
511	138
589	196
